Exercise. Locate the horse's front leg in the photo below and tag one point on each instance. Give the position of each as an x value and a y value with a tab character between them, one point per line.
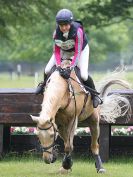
94	128
68	135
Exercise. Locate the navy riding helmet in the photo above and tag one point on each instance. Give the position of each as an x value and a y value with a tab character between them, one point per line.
64	16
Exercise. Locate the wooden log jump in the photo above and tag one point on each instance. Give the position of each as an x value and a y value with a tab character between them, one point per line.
16	105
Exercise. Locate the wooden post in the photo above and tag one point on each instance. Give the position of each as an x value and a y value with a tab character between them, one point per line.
6	138
104	139
1	139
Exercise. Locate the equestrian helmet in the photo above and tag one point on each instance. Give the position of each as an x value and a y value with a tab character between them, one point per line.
64	16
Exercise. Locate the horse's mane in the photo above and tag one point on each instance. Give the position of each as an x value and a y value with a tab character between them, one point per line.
55	86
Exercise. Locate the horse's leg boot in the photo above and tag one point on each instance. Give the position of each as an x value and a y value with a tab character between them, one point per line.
67	162
98	164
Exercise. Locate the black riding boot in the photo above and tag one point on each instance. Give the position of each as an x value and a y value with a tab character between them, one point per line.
96	100
41	85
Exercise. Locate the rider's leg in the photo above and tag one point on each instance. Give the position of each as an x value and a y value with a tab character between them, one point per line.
40	87
87	80
96	100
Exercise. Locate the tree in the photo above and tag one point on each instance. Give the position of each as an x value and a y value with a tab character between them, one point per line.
101	13
26	27
20	13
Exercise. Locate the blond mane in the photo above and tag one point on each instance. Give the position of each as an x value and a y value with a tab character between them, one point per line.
56	86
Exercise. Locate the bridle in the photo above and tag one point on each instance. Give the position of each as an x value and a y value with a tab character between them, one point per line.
46	149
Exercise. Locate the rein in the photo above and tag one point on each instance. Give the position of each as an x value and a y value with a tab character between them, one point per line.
75	104
68	80
45	149
90	89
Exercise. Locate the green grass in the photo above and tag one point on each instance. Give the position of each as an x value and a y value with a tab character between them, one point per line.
28	81
100	75
35	167
23	82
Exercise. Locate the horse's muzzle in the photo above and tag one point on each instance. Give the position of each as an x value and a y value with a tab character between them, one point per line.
54	159
51	159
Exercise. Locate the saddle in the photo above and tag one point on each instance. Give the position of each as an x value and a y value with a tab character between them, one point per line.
65	73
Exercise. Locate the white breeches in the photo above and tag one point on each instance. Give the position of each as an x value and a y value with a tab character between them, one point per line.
82	63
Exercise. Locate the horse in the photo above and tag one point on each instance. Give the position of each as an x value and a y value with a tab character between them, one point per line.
65	103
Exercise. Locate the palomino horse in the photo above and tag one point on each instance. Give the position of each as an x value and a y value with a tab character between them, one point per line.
62	109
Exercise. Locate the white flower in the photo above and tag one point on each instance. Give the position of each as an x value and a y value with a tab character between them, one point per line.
24	129
17	129
35	131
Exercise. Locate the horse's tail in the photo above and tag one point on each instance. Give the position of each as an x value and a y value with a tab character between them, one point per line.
114	105
104	90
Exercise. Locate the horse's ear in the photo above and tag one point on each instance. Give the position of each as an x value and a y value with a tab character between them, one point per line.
35	118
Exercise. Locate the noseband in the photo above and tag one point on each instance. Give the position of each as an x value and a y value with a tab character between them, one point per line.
45	149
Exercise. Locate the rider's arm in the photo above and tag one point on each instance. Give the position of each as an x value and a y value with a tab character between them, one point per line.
57	54
57	51
78	47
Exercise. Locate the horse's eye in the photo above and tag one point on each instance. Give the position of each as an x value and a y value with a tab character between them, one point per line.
48	122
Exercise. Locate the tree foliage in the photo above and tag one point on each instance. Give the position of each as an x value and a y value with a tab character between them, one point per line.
25	13
106	12
26	27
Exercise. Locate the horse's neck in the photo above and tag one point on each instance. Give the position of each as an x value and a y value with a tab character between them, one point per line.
53	95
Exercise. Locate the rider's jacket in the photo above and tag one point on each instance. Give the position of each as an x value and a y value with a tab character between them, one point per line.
74	42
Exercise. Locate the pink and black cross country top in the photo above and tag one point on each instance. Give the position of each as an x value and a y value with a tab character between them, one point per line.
75	42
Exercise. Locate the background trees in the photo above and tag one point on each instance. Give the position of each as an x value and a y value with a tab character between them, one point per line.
26	27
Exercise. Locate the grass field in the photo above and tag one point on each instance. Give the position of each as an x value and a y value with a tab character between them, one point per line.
23	82
30	82
12	166
35	167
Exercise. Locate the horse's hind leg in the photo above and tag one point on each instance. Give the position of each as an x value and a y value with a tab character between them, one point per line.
94	128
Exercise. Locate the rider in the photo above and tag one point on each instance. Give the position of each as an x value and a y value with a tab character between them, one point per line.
70	42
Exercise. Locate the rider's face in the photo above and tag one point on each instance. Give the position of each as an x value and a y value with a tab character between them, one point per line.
64	27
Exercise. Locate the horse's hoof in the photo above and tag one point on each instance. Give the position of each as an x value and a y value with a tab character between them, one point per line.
64	171
101	170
